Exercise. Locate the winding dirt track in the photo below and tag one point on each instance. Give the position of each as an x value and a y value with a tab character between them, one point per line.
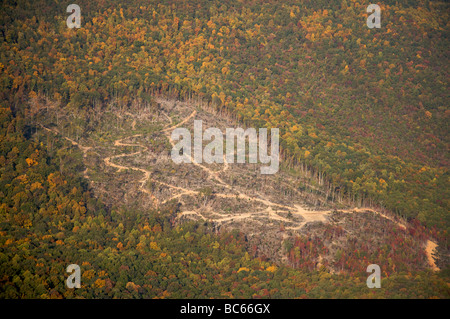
147	173
269	211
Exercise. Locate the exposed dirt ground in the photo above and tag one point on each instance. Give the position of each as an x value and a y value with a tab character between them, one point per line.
127	159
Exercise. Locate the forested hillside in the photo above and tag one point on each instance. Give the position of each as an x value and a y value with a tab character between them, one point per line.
49	219
364	110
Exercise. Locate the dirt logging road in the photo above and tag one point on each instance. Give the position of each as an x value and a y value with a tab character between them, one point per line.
266	207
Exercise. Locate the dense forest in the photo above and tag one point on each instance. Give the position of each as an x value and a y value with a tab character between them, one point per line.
364	110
